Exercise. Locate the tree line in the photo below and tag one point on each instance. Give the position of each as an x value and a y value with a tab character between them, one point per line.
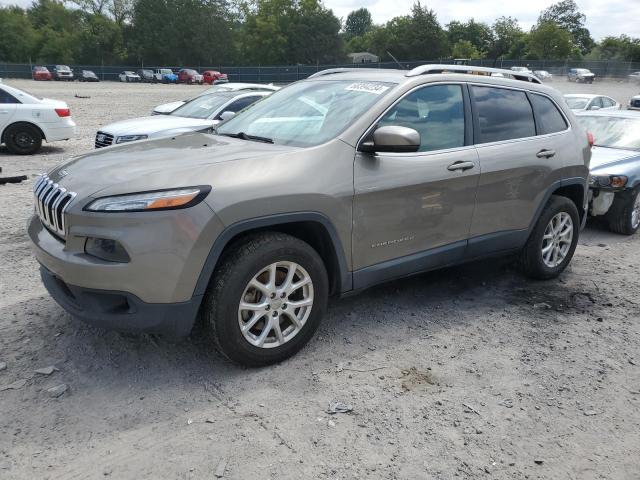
281	32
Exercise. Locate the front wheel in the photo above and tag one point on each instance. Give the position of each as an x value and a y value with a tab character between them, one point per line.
553	240
266	299
624	215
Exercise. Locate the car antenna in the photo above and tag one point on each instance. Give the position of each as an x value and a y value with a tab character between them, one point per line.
402	67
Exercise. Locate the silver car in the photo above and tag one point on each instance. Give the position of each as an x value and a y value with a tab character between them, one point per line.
329	186
614	185
167	108
200	114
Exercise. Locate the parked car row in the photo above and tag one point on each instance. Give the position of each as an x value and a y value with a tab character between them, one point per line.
159	75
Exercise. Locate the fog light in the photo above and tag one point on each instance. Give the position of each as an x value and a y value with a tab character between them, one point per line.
106	249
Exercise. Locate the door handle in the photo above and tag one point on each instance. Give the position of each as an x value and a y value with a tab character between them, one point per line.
544	153
461	166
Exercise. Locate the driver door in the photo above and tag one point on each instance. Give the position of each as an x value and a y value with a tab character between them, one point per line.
412	211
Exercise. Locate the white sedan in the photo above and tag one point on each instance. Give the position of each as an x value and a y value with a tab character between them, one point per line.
198	115
26	120
167	108
128	76
579	102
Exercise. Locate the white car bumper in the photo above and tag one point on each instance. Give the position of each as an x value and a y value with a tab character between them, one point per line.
59	131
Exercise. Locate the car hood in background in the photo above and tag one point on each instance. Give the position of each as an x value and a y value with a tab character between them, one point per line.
167	108
615	161
156	125
156	164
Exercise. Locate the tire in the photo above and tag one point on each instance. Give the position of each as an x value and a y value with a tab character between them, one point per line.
534	262
249	260
23	139
624	215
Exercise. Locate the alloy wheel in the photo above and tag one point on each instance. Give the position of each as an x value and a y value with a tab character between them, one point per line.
635	213
557	239
275	304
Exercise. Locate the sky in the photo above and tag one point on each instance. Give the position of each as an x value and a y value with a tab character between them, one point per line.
604	17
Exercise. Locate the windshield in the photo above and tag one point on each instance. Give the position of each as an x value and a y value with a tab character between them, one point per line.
307	113
62	68
614	132
203	106
166	71
577	103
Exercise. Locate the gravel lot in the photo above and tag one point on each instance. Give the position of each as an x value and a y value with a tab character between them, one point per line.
470	372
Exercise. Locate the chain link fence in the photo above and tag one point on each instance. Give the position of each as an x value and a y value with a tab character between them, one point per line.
292	73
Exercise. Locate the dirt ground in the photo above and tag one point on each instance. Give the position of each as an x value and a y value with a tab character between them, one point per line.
471	372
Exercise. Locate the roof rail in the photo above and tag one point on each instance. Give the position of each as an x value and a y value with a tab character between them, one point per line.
341	70
472	70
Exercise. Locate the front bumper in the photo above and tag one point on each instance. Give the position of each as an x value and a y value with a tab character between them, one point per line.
120	310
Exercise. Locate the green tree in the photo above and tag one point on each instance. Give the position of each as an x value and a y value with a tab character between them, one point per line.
478	34
290	31
566	15
549	40
18	38
358	23
506	35
465	49
622	48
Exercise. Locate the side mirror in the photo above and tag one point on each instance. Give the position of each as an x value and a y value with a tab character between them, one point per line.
392	138
226	115
594	107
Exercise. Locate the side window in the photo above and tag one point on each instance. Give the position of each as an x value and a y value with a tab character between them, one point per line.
607	102
6	97
550	120
435	112
241	103
502	114
596	102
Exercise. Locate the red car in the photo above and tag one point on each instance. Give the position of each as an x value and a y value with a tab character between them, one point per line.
41	73
188	75
211	76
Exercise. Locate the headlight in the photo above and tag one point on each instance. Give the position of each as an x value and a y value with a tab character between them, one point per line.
613	181
146	201
131	138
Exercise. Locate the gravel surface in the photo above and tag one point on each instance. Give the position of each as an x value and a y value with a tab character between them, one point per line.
470	372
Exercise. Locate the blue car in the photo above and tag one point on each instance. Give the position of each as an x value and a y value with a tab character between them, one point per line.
614	184
164	75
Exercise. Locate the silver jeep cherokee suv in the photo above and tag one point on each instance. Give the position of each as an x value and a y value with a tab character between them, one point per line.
331	185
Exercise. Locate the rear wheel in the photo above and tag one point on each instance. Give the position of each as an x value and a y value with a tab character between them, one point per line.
624	215
23	139
266	299
553	240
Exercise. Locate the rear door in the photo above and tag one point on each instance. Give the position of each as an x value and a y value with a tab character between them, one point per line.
7	108
418	203
518	167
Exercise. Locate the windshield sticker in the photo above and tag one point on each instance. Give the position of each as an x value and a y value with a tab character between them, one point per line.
374	88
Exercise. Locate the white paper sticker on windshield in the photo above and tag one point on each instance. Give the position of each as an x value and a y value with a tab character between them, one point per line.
374	88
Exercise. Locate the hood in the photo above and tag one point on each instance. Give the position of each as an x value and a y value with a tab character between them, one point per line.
156	125
167	162
168	107
614	161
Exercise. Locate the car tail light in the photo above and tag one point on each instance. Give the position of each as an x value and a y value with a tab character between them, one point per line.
590	139
63	112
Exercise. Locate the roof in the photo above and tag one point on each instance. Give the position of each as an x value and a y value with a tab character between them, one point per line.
584	95
610	113
438	72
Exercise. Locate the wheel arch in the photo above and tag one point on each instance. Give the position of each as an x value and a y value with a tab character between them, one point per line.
575	191
313	228
21	122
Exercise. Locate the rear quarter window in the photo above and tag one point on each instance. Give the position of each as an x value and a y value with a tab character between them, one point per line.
550	120
502	114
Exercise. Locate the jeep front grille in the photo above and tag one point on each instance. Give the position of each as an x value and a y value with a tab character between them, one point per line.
103	140
51	203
